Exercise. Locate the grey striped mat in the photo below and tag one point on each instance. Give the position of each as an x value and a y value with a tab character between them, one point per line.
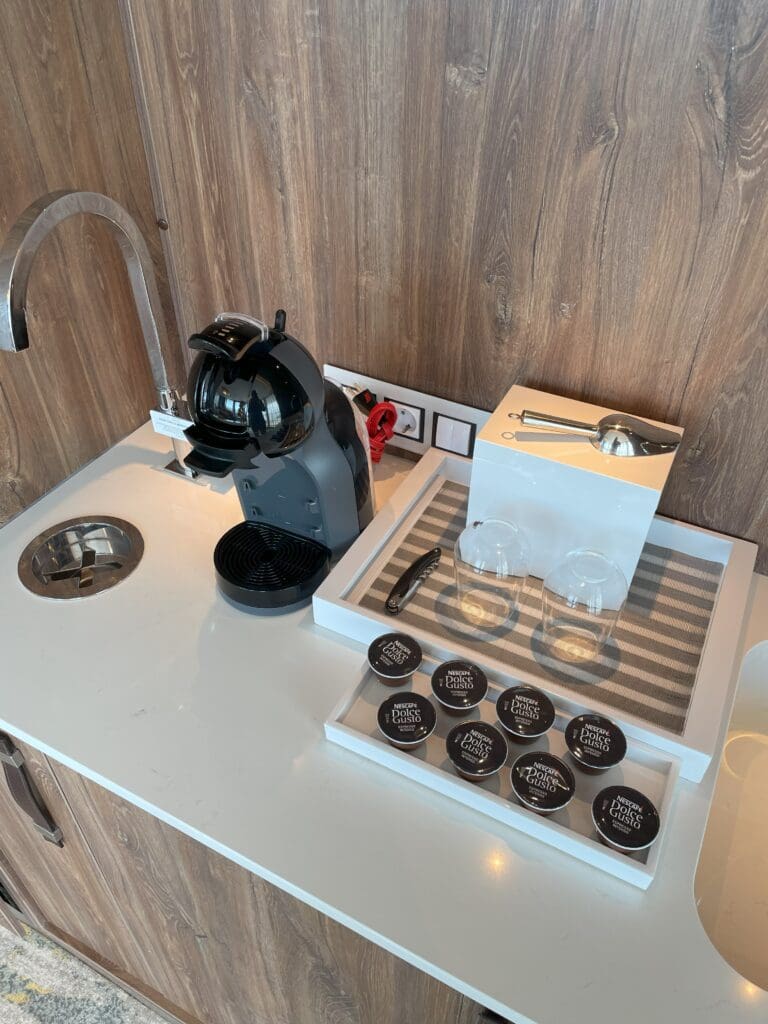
649	666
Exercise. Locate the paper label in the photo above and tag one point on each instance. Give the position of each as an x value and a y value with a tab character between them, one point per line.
168	425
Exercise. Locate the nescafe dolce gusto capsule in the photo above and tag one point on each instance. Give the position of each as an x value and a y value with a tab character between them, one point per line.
477	750
394	657
542	782
525	713
459	686
406	719
625	819
595	743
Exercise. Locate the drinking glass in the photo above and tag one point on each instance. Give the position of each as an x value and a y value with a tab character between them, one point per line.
582	598
491	561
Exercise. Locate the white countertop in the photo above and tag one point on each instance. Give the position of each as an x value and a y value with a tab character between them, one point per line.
212	720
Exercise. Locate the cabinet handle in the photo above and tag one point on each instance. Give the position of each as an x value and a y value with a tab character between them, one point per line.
23	792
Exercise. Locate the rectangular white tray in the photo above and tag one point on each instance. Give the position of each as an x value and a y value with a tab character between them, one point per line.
353	725
337	607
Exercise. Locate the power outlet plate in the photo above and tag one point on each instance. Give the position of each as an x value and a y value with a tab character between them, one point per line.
410	419
437	414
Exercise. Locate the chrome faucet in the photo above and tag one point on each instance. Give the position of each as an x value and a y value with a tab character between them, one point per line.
17	256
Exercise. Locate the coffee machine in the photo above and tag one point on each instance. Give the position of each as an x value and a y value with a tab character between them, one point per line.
262	411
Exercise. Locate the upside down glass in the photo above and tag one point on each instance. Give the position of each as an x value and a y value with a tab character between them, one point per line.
491	562
582	599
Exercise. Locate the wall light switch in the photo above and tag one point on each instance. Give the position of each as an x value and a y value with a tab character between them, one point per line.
452	435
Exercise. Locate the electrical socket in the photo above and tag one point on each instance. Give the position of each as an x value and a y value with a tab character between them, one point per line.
429	407
410	420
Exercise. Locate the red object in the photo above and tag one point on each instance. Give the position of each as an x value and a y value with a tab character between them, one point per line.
381	427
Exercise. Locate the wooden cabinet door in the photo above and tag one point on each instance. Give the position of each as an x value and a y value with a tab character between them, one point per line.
16	909
231	948
64	891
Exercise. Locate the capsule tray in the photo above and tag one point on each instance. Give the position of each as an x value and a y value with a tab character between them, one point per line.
353	725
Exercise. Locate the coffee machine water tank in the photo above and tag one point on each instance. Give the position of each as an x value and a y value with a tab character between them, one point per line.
262	411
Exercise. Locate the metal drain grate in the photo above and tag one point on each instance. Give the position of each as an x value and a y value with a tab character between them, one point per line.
80	557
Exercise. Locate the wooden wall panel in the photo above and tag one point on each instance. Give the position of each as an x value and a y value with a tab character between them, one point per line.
68	120
571	194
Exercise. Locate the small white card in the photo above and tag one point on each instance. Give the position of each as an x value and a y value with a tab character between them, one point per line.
168	425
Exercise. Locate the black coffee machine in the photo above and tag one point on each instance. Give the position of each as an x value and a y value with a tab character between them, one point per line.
263	412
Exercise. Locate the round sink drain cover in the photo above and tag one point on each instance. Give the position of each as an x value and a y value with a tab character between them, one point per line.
80	557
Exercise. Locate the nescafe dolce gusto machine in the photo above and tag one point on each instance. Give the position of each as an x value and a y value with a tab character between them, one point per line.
262	411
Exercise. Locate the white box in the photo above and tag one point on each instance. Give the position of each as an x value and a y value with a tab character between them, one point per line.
559	489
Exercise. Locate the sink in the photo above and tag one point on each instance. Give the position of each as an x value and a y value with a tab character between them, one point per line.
731	884
80	557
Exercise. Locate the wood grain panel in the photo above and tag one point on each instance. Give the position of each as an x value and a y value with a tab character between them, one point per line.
232	949
69	120
458	196
27	913
63	892
62	886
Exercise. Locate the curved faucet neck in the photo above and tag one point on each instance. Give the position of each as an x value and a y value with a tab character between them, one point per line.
18	253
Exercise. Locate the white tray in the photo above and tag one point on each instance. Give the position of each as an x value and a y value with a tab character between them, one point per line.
336	606
353	725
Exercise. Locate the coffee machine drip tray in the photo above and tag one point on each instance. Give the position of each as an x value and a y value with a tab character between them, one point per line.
264	567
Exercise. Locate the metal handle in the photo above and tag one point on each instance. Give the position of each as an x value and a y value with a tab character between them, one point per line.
543	419
22	791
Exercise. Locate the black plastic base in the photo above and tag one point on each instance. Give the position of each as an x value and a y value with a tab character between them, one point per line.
264	567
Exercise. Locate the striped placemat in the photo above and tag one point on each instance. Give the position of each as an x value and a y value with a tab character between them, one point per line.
649	666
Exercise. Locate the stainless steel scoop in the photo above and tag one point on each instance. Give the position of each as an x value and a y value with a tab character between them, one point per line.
615	434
